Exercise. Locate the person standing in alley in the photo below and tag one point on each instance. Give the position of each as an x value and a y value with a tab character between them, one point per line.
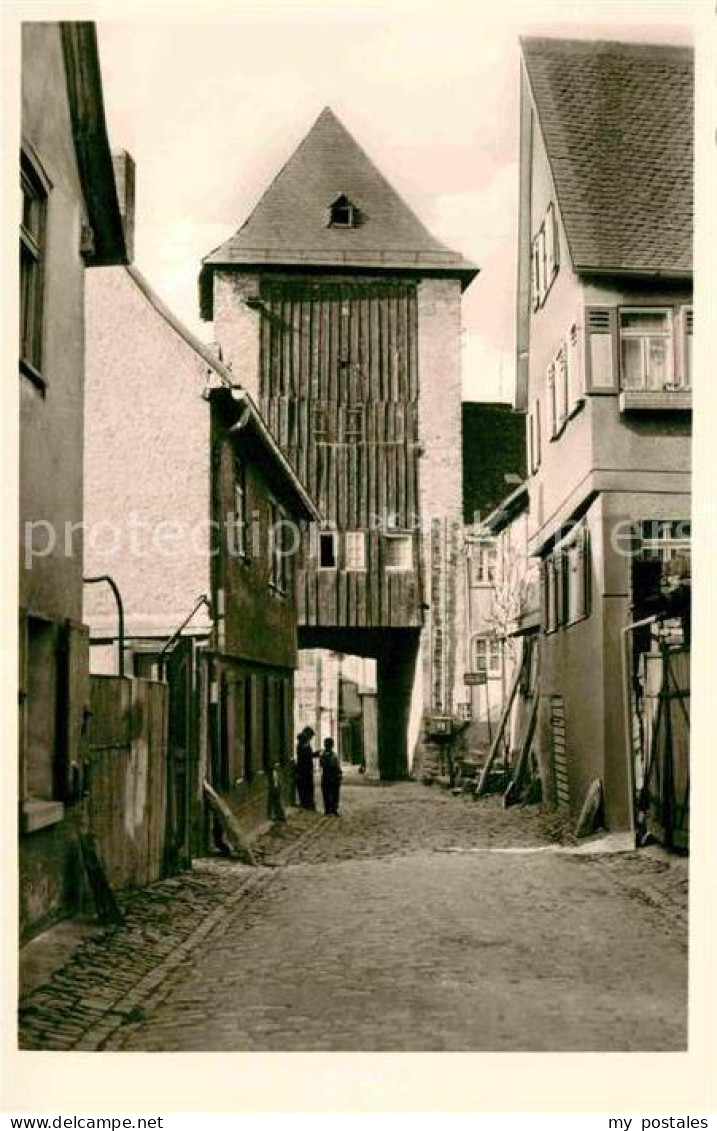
305	769
330	778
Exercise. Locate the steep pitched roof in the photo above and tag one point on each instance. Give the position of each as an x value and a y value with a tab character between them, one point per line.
291	223
617	122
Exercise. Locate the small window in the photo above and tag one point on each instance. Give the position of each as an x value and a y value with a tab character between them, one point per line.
353	430
32	265
647	349
398	552
328	549
484	562
665	540
343	213
566	581
279	556
487	656
321	425
562	394
238	524
355	551
544	258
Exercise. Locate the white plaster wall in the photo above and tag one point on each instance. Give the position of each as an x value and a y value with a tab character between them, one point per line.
146	462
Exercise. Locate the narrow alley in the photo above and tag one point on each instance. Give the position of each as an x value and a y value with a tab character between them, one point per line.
415	921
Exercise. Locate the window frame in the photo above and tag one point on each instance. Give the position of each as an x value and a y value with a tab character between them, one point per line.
545	257
405	539
279	562
493	661
322	535
35	187
480	563
343	204
320	425
566	581
353	536
354	423
240	509
644	337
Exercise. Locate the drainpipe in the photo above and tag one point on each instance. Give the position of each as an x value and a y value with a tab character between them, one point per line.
120	611
627	709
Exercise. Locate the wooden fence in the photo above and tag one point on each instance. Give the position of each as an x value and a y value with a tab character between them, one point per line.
128	777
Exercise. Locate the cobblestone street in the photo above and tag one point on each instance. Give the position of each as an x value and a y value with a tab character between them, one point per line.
415	921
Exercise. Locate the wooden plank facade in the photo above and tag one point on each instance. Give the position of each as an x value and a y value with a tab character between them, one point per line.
339	390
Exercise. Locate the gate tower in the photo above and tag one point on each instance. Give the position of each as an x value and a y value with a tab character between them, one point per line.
340	313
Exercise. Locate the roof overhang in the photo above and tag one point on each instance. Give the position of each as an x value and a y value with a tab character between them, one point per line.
507	511
94	160
413	265
677	274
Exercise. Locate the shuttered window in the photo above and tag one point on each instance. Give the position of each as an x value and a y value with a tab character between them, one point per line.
575	372
566	581
544	258
600	324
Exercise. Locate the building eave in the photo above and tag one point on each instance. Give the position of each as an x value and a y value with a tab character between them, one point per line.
227	381
410	264
89	128
305	507
507	511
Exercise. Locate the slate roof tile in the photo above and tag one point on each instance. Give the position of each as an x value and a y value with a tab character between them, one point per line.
618	126
291	221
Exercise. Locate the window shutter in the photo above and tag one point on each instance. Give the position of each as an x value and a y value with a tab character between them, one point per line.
586	569
538	438
535	272
78	690
552	414
683	337
530	443
559	575
551	245
601	369
576	388
545	594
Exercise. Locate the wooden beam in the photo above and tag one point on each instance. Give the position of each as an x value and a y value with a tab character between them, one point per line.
495	746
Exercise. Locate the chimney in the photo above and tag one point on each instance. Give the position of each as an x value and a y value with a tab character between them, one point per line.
123	166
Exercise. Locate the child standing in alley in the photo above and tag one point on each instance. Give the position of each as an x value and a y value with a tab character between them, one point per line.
330	778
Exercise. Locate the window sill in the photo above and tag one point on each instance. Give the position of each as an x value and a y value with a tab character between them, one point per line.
36	815
652	400
27	369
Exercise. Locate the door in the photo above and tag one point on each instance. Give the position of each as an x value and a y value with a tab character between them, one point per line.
182	753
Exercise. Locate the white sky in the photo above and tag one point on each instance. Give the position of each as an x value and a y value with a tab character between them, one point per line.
210	111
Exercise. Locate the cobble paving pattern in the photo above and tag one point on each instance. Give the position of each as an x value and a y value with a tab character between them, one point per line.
415	921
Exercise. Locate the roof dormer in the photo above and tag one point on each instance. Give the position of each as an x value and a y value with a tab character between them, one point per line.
343	213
